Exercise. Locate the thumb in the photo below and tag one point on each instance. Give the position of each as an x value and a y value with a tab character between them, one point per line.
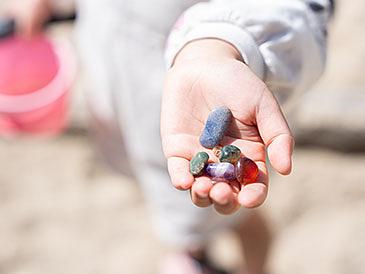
275	133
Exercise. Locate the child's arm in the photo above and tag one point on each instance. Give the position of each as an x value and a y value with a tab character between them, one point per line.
282	44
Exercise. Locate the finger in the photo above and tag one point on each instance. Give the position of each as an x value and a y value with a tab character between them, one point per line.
27	27
33	24
180	176
236	186
275	133
254	195
22	14
280	152
223	198
200	192
30	16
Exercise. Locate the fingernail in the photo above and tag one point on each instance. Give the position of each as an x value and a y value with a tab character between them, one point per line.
224	202
202	195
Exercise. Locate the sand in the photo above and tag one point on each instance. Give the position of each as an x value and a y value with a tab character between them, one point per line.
63	212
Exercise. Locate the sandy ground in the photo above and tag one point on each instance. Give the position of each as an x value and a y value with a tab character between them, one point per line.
61	211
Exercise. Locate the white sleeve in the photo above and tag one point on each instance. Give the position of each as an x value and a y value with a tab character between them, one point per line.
282	41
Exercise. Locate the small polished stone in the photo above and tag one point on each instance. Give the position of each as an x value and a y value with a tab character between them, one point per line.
246	171
215	127
230	154
221	172
198	163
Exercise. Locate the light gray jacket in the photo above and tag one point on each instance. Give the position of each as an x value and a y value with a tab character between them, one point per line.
283	41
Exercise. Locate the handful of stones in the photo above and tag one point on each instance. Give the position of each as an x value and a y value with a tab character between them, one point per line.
233	165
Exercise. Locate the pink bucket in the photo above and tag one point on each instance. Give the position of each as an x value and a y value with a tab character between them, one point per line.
35	79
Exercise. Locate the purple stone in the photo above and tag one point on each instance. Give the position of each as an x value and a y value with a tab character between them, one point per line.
221	172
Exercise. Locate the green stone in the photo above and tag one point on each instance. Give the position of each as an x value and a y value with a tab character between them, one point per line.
230	154
198	163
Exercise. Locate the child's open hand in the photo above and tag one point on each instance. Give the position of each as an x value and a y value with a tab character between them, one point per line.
207	74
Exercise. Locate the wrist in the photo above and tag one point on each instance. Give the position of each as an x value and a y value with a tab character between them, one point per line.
207	48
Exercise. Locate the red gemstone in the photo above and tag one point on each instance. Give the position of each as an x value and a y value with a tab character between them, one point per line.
246	171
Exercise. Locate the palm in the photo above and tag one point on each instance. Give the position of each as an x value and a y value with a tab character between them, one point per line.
186	105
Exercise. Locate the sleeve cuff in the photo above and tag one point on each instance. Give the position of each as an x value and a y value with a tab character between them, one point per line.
238	37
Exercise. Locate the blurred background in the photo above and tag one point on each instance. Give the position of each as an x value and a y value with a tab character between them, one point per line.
63	211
